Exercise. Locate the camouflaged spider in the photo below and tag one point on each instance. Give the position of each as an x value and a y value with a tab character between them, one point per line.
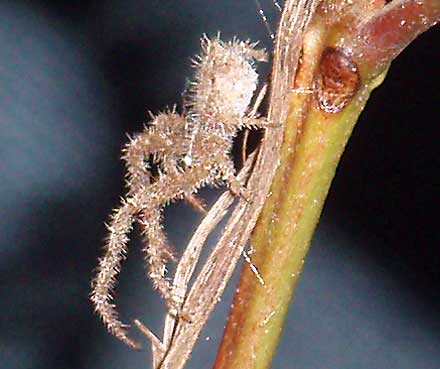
190	151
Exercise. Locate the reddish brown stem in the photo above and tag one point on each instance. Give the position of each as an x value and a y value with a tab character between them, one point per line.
387	33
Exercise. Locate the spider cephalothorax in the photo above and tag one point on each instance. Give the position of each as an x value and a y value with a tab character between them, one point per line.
190	151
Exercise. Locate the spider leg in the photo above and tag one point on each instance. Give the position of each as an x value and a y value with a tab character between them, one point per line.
121	224
157	250
166	141
160	140
166	189
153	141
148	142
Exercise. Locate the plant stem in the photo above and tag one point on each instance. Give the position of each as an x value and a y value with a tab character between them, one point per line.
314	139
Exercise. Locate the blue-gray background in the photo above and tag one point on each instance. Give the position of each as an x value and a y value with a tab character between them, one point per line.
76	76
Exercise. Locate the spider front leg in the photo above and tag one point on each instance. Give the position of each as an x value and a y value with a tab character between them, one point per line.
166	189
120	225
157	255
164	141
176	180
156	142
166	144
157	250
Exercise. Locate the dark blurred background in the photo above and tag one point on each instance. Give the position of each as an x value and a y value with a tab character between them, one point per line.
76	76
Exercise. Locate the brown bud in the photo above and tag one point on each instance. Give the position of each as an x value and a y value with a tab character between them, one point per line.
338	80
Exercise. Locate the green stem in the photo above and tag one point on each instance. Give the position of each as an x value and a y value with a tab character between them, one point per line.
284	234
314	141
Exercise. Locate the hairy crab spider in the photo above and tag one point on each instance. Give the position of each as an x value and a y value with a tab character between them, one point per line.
191	151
